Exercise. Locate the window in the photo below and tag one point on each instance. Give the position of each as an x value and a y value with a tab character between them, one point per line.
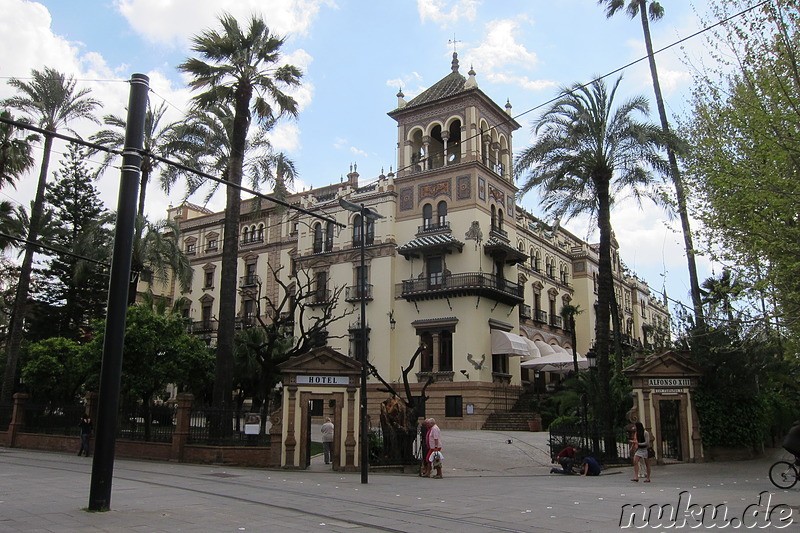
206	316
550	266
329	237
493	223
446	352
499	363
249	312
321	293
427	216
369	229
246	235
362	281
250	274
190	248
435	271
426	357
318	238
212	244
441	213
260	233
537	262
500	219
209	280
564	274
453	406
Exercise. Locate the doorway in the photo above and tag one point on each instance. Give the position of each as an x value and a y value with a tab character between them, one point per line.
669	429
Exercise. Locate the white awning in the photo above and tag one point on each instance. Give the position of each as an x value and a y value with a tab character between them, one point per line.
544	348
509	344
534	351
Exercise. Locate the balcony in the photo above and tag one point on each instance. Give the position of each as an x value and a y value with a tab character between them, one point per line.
353	294
556	320
540	315
320	297
464	284
252	240
204	326
250	280
494	230
247	321
431	227
525	311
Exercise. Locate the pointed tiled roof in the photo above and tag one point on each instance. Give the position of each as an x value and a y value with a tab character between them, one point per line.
450	85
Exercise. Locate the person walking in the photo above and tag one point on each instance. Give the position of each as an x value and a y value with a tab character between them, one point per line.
327	430
424	428
86	431
640	446
435	445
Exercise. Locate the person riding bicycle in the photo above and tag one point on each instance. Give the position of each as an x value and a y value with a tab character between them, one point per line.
792	441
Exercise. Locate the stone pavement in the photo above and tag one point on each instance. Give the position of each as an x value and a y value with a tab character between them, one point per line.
494	481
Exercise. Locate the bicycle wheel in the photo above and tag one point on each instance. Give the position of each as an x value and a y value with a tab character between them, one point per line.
783	475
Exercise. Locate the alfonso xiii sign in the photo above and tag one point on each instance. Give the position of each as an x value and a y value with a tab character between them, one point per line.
670	382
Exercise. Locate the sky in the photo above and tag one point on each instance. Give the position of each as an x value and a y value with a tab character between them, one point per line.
355	56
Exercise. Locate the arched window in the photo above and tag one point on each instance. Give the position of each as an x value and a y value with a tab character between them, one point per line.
246	235
318	238
370	231
441	213
357	230
329	237
500	219
260	233
493	223
427	216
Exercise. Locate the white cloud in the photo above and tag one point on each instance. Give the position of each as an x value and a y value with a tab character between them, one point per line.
436	11
156	19
500	47
358	151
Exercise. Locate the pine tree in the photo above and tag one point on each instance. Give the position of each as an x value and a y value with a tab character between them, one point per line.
80	226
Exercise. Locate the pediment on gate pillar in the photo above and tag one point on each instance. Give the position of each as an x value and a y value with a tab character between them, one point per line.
323	360
669	365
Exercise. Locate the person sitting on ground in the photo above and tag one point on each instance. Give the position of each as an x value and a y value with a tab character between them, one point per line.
590	466
565	458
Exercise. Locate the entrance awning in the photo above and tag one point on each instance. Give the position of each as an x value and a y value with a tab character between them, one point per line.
509	344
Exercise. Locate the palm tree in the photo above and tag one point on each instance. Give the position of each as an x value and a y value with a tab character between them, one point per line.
719	293
655	11
203	141
158	251
586	155
15	153
239	68
52	101
157	139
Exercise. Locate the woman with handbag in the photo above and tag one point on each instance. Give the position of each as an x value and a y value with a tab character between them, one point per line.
640	450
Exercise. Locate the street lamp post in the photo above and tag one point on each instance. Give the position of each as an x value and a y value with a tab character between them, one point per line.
365	213
591	358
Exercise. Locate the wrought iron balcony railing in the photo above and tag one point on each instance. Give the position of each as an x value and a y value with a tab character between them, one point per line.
353	293
439	285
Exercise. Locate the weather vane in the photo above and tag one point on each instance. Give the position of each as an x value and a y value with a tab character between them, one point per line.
453	41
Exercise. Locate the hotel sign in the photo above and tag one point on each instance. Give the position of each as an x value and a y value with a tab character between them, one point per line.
670	382
323	380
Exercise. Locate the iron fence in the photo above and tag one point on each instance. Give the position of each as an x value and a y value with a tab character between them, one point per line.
221	427
153	424
5	415
52	420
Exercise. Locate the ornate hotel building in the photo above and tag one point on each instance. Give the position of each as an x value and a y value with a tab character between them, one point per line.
454	263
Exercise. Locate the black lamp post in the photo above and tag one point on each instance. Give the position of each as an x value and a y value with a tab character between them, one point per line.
591	358
366	213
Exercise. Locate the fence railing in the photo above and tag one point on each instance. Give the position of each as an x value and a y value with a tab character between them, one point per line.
211	426
6	409
52	420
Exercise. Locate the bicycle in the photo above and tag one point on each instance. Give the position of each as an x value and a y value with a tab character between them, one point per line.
784	474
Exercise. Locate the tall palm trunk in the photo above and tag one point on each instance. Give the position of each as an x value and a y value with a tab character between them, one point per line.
677	180
605	295
15	329
223	372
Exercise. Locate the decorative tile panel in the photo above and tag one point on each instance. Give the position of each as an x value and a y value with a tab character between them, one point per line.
406	198
464	184
437	188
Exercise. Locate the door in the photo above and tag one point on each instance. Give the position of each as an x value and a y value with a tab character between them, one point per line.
669	435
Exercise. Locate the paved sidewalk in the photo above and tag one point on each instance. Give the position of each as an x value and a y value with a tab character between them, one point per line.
490	484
